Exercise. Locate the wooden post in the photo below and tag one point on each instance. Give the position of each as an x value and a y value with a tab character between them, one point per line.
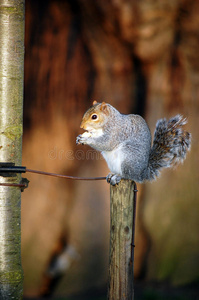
12	14
121	257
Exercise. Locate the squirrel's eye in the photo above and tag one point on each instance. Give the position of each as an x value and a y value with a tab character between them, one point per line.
94	117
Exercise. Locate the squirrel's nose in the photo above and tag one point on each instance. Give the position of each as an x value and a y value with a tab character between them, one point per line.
82	125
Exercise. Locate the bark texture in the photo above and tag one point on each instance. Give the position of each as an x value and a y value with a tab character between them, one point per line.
11	111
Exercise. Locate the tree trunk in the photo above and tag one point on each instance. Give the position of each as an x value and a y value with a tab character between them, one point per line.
121	259
11	109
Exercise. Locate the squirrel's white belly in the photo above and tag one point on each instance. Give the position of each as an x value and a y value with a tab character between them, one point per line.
114	160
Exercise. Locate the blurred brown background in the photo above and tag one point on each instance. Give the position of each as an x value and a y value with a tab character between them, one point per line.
141	57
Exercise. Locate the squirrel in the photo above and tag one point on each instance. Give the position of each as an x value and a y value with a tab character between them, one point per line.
125	142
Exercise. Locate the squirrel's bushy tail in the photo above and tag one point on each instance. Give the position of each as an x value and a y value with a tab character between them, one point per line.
170	145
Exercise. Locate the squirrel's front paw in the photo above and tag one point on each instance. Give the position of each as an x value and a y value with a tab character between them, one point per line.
113	179
79	139
83	138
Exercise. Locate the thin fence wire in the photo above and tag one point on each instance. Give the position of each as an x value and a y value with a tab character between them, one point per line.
22	185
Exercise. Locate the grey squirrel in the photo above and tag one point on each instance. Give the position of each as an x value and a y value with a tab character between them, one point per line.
125	142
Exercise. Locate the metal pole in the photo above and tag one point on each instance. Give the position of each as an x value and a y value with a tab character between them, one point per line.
11	111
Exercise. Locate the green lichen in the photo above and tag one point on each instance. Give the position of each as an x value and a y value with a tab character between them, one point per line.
11	277
13	132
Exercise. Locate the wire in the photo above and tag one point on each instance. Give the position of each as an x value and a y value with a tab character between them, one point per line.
14	184
10	170
64	176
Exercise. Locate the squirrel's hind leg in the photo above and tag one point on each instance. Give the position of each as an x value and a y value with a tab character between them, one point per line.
113	179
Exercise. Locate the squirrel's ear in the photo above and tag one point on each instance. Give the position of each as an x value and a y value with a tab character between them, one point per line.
94	102
104	107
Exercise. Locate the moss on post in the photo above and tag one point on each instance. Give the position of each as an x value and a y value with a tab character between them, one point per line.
11	112
121	241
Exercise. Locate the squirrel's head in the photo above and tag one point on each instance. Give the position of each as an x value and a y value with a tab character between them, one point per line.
96	116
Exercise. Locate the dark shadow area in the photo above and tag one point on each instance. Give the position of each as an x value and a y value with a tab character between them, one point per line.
140	95
143	291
